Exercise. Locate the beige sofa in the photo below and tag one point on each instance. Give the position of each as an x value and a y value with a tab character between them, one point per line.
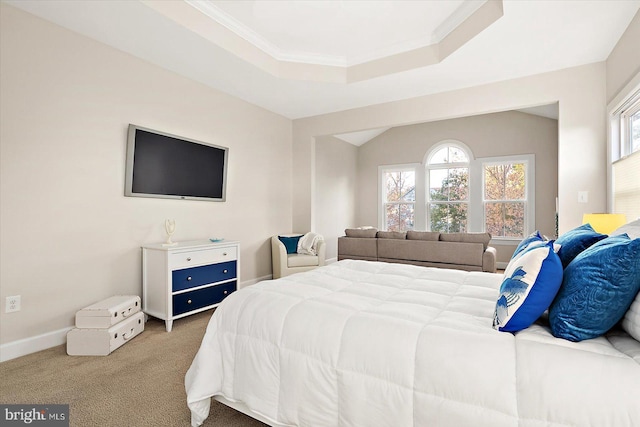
462	251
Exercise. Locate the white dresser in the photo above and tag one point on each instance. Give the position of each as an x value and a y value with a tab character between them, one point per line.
187	278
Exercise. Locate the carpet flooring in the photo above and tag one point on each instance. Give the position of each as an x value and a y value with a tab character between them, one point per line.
140	384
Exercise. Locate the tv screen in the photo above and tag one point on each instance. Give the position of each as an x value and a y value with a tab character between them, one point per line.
168	166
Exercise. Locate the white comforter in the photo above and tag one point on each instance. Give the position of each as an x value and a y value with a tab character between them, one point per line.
368	344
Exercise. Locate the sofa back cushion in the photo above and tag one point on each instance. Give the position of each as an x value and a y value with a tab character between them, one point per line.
432	236
483	238
401	235
361	232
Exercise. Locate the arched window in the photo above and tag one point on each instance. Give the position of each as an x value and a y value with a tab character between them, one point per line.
447	178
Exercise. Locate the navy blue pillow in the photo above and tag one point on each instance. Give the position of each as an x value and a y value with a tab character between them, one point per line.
290	243
533	237
598	287
531	281
575	241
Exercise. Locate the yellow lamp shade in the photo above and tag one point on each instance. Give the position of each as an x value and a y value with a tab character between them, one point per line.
604	223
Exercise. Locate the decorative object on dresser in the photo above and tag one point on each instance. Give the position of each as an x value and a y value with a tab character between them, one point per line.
170	228
187	278
105	326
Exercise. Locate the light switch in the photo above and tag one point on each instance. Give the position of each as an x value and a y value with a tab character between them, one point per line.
583	196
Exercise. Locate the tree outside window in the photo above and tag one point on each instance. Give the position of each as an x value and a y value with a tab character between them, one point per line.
448	195
400	198
505	199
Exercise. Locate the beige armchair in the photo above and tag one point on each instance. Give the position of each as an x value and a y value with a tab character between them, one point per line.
285	264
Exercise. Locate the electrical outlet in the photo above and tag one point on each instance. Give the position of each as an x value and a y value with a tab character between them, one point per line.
13	304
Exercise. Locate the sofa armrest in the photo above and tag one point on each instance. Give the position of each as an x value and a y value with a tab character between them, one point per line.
489	260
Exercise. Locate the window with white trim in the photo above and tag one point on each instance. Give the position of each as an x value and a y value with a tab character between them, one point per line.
398	185
447	176
630	121
504	198
453	192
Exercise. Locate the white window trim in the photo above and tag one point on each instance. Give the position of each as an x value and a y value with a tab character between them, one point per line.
428	166
615	150
419	202
475	220
477	209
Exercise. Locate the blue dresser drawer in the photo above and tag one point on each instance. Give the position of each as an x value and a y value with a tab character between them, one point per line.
203	275
194	300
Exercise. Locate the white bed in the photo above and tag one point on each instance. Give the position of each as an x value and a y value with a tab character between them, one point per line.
359	343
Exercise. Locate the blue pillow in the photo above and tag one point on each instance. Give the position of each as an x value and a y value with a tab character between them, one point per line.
598	287
533	237
575	241
290	243
531	281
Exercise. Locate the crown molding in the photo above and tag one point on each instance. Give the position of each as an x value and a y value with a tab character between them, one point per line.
457	18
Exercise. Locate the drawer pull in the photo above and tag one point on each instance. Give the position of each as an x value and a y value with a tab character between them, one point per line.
225	271
127	337
225	292
188	301
189	279
224	254
189	259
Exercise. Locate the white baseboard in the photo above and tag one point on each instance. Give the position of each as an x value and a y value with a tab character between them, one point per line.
254	281
30	345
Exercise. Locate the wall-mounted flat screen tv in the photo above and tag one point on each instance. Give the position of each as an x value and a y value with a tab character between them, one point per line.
168	166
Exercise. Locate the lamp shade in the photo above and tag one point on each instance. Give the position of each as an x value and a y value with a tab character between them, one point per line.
604	223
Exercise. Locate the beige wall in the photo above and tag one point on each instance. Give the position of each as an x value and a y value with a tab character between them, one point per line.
580	92
487	135
623	62
69	236
336	178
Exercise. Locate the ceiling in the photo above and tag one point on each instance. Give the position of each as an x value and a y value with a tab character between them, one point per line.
305	58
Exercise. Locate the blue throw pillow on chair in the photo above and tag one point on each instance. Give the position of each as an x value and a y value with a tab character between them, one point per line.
290	243
598	287
575	241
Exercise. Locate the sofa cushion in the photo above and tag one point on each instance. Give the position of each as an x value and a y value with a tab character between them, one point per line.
483	238
401	235
433	236
361	232
598	288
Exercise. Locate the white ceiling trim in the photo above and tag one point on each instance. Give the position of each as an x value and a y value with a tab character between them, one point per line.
529	37
361	137
456	19
451	23
241	30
